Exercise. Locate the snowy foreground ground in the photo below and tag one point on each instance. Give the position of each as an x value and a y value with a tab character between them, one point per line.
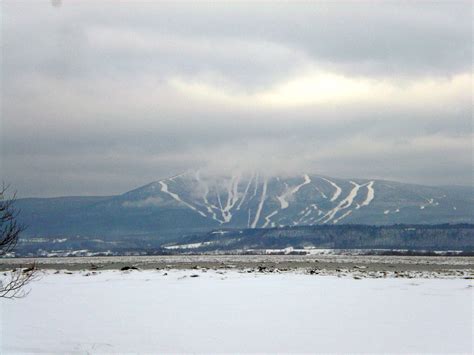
150	312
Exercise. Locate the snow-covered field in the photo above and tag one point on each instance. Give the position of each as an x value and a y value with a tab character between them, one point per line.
147	311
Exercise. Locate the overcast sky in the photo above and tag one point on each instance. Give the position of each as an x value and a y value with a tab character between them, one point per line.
99	97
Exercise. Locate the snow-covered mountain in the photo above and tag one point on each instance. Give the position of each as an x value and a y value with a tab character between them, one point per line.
195	201
256	201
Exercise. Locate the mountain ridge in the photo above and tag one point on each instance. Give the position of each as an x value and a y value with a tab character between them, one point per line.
196	201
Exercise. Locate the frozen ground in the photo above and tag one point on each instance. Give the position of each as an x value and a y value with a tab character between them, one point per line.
218	311
366	265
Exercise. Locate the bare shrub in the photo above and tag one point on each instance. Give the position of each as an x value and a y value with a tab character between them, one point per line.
12	286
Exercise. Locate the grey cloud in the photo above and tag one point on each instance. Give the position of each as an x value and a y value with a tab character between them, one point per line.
365	38
88	107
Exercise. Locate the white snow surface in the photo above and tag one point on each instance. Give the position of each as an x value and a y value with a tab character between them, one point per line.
370	194
267	218
283	199
344	204
245	193
337	192
164	188
187	246
148	312
260	205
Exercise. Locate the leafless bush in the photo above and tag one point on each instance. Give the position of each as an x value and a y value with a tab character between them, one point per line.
9	228
12	286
